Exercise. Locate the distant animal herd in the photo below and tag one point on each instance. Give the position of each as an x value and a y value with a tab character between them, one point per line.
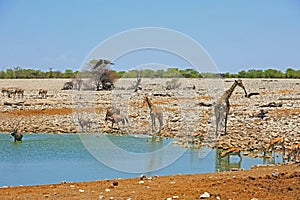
17	92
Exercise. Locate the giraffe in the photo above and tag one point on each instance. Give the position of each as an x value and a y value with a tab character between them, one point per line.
222	106
155	112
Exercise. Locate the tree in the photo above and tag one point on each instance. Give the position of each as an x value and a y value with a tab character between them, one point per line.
103	77
68	73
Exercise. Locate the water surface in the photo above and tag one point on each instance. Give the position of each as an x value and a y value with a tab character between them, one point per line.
52	158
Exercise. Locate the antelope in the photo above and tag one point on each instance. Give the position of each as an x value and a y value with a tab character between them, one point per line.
273	143
19	92
85	123
13	91
295	150
155	113
230	152
111	111
4	91
43	93
113	115
10	91
116	118
15	133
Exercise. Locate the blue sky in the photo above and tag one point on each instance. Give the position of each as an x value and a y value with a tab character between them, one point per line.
238	35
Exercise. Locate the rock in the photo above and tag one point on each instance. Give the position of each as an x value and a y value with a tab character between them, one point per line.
275	174
107	190
80	190
101	197
204	195
115	183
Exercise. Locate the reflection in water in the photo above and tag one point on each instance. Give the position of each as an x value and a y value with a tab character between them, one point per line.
253	158
155	159
228	162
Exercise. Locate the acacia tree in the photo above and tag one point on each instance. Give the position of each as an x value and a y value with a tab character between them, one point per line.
103	77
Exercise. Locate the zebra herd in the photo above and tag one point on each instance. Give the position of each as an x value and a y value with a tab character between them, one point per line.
13	92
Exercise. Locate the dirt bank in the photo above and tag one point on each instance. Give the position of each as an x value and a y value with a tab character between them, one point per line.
272	182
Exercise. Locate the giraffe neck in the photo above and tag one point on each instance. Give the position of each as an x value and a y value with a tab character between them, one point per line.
229	92
149	103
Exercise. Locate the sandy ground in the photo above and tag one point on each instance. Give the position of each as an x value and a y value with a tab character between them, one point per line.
277	182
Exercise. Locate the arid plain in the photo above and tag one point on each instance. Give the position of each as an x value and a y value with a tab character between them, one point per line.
188	118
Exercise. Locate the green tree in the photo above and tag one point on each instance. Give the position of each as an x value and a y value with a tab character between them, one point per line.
68	73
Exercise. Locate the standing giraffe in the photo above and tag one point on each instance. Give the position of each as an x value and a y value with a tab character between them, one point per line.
155	112
222	106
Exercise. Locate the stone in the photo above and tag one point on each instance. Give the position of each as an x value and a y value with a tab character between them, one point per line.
204	195
275	174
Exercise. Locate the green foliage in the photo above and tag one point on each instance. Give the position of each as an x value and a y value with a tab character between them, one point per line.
18	72
173	72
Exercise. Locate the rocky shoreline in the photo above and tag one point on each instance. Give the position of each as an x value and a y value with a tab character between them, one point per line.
187	111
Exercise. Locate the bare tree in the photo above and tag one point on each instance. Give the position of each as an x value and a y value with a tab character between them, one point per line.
138	82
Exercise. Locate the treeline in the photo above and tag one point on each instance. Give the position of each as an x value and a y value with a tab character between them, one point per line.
269	73
19	73
191	73
173	72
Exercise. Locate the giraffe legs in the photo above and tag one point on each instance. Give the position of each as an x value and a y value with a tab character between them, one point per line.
160	119
225	129
152	122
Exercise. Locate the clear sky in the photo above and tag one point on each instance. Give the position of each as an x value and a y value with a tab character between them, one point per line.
237	34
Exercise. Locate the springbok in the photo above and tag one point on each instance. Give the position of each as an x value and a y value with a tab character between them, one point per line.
273	143
155	113
43	93
230	152
295	150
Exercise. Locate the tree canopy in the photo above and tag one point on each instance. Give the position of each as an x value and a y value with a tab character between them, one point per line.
172	72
